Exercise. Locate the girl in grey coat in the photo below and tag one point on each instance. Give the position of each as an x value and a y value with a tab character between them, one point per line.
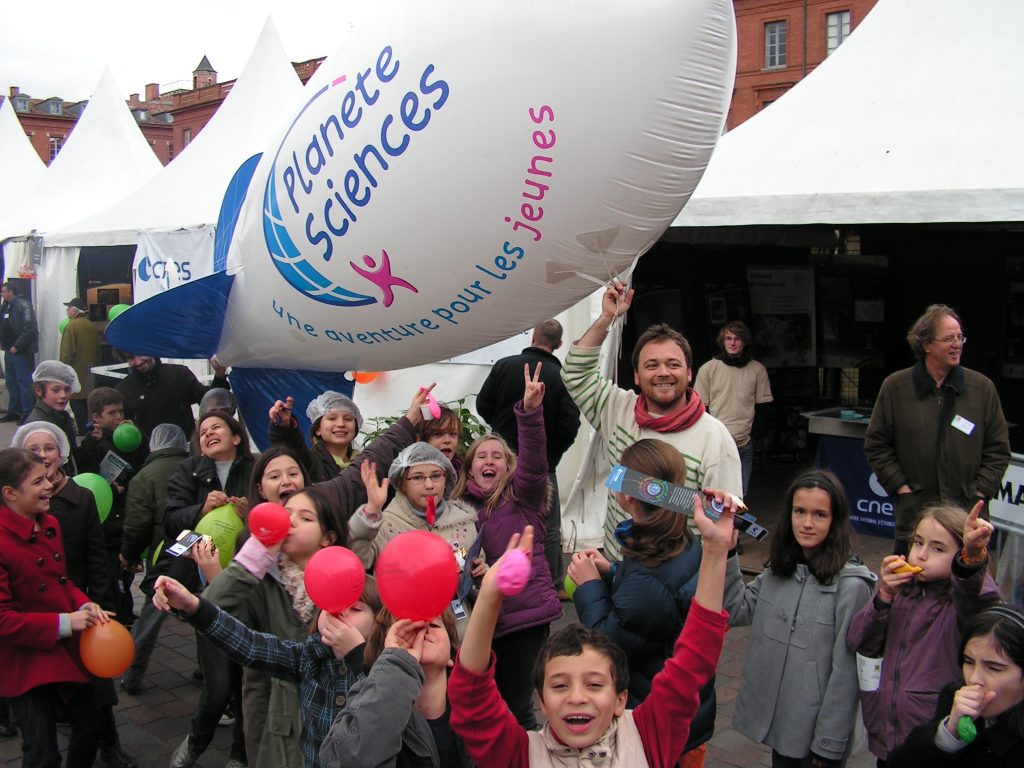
799	689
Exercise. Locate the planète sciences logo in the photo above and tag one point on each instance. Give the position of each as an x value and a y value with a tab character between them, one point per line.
319	183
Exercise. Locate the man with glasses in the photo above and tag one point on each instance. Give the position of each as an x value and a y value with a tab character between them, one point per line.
937	431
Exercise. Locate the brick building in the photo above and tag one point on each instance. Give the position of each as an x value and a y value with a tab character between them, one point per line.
169	121
780	42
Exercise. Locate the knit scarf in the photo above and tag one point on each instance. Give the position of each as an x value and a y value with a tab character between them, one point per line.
291	580
738	361
677	422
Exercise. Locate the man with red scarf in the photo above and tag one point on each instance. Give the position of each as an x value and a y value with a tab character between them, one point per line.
667	408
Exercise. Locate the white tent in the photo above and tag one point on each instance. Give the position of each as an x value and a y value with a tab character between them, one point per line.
23	168
188	192
105	157
914	119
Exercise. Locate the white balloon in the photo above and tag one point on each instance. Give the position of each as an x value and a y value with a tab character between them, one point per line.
459	171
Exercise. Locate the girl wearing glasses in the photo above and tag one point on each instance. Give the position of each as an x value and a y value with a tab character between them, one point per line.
419	474
511	492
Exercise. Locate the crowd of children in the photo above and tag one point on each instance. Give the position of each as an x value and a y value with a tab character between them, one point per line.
925	649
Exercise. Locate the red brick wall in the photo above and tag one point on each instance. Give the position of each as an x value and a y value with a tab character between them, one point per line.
756	85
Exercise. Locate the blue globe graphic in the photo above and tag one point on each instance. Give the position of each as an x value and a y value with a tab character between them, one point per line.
293	266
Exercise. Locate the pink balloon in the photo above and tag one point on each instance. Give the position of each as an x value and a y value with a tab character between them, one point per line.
417	575
269	523
334	579
514	572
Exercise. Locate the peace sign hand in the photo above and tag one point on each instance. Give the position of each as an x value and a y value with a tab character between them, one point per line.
534	394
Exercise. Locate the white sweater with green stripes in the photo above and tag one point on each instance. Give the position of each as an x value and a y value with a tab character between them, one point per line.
712	460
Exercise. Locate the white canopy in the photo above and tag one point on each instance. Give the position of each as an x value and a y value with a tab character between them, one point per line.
21	164
104	157
188	192
916	118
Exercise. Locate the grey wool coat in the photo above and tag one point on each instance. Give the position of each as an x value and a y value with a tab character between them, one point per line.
799	688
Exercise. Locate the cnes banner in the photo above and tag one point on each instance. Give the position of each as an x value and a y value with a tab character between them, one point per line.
164	260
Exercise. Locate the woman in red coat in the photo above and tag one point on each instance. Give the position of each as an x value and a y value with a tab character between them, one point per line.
41	614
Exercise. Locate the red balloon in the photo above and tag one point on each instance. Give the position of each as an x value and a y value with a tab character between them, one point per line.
365	377
269	522
334	579
107	649
417	575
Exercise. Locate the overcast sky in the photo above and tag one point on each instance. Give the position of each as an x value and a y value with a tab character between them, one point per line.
61	47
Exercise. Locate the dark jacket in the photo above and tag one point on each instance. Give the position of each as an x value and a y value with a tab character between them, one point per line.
504	388
995	747
537	604
187	489
85	548
643	610
91	454
381	726
911	440
164	395
145	504
19	326
918	636
66	422
318	460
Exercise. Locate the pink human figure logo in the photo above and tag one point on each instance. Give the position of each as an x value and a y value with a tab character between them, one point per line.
381	277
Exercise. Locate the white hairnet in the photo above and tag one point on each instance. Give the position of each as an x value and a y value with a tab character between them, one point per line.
25	431
168	436
55	370
421	453
333	401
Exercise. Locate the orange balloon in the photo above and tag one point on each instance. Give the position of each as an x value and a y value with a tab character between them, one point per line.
107	649
365	377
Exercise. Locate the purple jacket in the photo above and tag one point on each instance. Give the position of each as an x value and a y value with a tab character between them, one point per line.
918	637
538	603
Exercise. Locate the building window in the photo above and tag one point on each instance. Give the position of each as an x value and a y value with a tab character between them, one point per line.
186	137
56	142
170	151
837	29
55	108
774	44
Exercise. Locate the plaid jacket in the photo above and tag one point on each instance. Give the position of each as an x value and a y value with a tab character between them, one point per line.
323	681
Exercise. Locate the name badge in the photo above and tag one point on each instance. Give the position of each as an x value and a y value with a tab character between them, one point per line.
964	425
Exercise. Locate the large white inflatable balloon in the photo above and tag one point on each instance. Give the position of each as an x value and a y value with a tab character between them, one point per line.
458	171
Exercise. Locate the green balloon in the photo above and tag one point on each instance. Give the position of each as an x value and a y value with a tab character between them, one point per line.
127	437
116	310
570	586
223	526
101	491
63	324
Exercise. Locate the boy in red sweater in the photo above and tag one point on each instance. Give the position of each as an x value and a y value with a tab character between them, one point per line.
581	678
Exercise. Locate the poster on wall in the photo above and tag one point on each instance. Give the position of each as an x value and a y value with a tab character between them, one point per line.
782	305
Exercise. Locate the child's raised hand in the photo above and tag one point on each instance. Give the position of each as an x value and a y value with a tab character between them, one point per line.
534	393
719	535
890	582
582	568
407	635
977	532
338	635
969	701
171	595
414	414
376	490
280	413
522	542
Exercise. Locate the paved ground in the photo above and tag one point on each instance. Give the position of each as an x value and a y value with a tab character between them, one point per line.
155	721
